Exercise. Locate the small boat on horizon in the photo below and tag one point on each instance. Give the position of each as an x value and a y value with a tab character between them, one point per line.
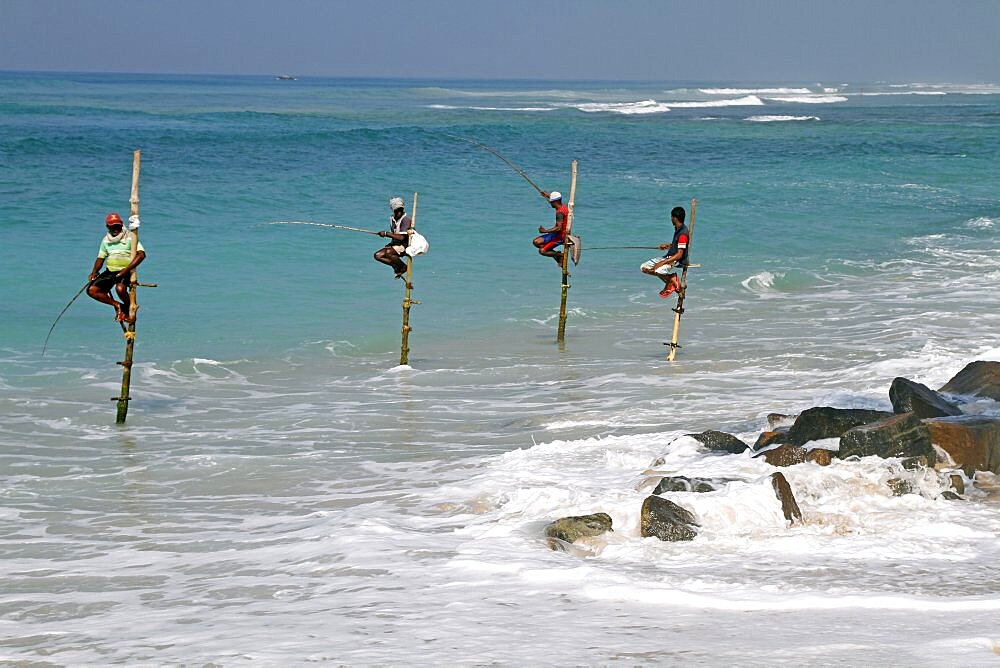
285	77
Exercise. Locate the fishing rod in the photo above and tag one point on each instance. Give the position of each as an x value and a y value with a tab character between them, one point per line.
339	227
625	248
509	163
65	308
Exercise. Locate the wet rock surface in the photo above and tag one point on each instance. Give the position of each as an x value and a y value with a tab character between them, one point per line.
980	378
666	520
789	506
822	422
908	396
895	436
973	441
683	484
570	529
720	441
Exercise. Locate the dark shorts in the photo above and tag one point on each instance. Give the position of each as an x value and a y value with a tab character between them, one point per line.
106	280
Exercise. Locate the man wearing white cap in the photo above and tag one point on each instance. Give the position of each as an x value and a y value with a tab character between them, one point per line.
552	237
399	234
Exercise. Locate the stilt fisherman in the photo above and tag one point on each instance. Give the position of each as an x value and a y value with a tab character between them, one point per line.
554	236
115	254
398	234
677	255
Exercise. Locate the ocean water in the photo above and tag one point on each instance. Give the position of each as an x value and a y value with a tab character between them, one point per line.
284	493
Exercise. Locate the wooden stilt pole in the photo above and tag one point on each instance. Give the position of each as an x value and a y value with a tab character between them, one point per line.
561	336
404	348
679	309
123	397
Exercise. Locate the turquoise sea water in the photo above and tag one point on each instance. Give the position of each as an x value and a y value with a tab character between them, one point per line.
277	464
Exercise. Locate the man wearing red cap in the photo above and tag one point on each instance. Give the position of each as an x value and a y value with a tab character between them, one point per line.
116	256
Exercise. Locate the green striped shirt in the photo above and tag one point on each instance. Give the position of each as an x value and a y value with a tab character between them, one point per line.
118	253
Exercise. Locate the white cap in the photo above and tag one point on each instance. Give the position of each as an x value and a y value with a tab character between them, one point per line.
396	203
555	195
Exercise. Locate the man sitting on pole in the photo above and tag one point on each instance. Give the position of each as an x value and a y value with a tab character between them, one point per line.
677	255
116	255
553	236
398	235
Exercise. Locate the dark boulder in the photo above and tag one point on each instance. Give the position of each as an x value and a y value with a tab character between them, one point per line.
569	529
979	378
720	441
822	422
782	490
895	436
682	484
973	441
910	397
666	520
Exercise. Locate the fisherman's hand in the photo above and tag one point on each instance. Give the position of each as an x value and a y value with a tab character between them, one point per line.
544	194
383	233
123	273
133	222
541	229
663	246
92	276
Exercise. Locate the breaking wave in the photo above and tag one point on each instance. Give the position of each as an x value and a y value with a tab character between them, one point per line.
773	119
809	99
756	91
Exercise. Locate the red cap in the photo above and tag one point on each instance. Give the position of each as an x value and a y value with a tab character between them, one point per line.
113	217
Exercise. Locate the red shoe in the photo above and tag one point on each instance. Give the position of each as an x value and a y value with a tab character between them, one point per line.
667	291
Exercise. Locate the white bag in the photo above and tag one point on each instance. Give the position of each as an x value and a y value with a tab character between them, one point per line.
418	244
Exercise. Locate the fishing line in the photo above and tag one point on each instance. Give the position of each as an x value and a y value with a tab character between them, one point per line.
497	154
65	308
339	227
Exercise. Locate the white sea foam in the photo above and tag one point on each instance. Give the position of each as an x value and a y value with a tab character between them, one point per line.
755	91
809	99
654	107
747	101
641	107
761	282
778	118
980	223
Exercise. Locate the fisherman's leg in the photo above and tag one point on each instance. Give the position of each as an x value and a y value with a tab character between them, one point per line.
671	285
382	255
123	293
549	250
395	261
104	296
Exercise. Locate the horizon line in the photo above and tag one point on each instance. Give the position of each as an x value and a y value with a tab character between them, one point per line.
383	77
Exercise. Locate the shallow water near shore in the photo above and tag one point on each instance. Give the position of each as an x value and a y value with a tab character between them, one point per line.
284	492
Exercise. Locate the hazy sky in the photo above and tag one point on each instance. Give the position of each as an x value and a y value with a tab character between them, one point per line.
761	40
